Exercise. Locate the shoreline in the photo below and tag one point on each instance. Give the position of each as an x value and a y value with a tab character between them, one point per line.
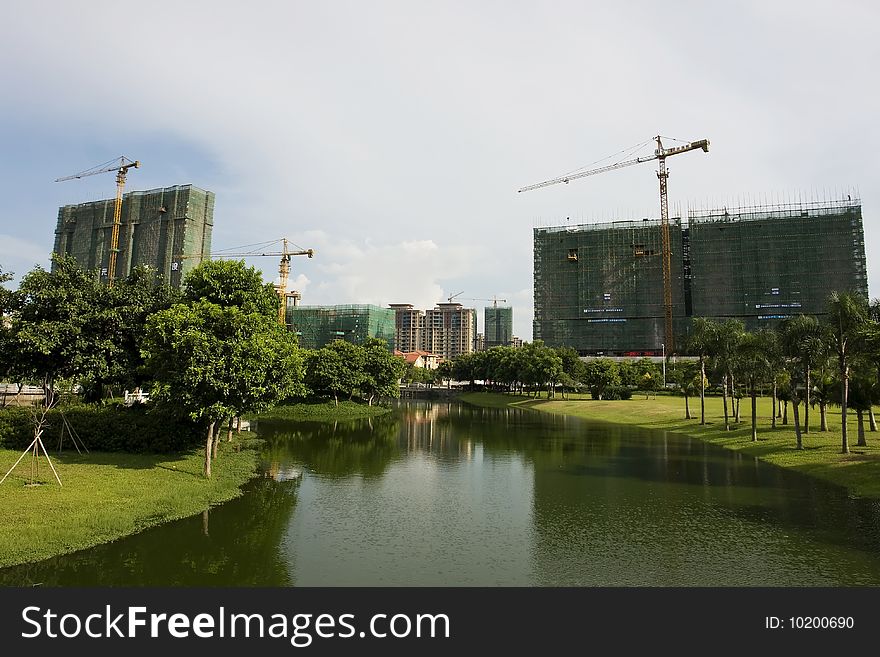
107	496
858	471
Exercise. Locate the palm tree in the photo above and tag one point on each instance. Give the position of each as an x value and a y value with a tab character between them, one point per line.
723	346
802	337
847	323
702	339
755	354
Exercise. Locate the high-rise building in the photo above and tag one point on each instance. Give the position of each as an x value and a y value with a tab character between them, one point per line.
316	326
450	330
409	327
599	288
447	330
167	229
498	325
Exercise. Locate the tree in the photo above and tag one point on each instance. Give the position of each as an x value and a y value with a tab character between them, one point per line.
231	283
444	372
685	374
324	373
847	321
216	362
600	375
701	343
805	343
649	377
56	328
754	361
382	370
723	349
351	374
184	351
121	321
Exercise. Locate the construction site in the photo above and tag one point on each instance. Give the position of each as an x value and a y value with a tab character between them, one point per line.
316	326
599	288
168	229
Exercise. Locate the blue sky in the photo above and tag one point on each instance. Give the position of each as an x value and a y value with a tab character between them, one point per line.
391	136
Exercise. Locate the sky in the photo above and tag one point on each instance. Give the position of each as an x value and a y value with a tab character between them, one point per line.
391	137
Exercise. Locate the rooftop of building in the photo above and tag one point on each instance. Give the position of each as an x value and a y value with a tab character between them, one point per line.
741	211
145	192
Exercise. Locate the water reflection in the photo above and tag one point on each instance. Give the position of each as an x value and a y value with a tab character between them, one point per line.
445	494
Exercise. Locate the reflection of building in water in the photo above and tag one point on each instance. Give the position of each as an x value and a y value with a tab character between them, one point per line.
429	428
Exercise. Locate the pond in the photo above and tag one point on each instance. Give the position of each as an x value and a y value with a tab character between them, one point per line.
442	493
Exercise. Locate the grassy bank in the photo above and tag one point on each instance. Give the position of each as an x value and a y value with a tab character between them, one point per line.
106	496
323	411
858	471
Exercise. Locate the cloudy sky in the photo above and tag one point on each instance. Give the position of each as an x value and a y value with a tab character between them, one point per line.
391	137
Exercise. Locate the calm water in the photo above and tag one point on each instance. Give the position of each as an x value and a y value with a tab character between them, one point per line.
446	494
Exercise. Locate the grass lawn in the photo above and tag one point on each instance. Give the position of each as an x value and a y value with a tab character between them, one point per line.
106	496
859	471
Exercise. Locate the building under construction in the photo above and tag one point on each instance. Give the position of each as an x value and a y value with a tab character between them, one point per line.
158	228
316	326
497	326
599	288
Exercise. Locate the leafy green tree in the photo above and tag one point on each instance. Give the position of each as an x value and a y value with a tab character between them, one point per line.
382	370
325	373
444	372
184	349
601	374
216	362
55	326
231	283
121	321
351	376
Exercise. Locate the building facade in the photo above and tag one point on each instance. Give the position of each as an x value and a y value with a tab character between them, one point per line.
167	229
448	330
409	327
497	325
599	288
316	326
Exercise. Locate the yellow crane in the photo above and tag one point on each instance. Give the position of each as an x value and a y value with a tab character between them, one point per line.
660	154
120	165
283	268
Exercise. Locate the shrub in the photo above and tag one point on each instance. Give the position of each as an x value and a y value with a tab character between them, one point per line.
141	428
611	393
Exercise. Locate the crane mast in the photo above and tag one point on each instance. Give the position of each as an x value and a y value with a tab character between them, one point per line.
660	154
120	165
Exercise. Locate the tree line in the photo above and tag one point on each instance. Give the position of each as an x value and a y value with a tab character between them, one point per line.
213	350
805	362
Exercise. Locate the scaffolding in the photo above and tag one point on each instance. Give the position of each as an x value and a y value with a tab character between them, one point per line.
317	326
765	263
497	326
599	287
157	228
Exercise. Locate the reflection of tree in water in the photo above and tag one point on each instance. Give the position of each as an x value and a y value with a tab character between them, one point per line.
236	544
335	449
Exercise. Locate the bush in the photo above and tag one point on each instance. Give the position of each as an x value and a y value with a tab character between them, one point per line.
611	393
141	428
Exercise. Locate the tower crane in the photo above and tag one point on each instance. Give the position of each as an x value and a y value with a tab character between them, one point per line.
452	296
120	165
660	154
494	300
283	267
